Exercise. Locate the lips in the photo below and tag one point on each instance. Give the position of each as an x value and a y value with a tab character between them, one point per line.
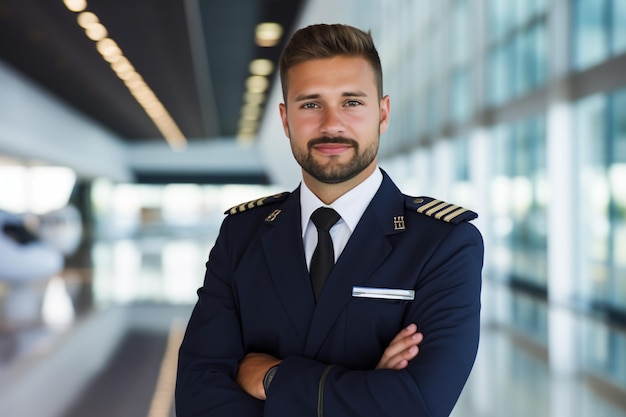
332	148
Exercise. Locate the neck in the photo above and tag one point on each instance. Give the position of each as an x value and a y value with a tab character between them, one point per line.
328	193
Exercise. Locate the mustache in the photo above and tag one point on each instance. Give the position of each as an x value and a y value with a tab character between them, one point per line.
330	139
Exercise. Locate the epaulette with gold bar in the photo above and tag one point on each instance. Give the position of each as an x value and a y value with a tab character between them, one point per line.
440	210
240	208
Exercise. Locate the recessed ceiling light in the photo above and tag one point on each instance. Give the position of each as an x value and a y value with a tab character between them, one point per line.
109	49
112	53
96	32
257	84
76	5
254	98
248	124
122	65
250	112
268	34
86	19
261	67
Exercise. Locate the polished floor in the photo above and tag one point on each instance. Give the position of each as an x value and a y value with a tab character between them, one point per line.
116	357
511	379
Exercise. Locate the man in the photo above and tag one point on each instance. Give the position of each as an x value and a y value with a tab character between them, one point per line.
264	340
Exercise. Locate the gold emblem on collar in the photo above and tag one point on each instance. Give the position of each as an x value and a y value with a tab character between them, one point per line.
398	223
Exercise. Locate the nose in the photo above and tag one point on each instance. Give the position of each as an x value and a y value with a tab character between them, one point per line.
332	123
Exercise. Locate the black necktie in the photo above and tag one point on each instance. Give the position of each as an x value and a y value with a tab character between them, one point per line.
324	256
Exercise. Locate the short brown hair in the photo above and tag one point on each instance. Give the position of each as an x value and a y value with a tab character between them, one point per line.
327	41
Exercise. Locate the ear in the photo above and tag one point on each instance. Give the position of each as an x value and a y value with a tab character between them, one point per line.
384	114
283	117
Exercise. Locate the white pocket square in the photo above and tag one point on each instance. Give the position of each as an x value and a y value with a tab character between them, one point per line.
384	293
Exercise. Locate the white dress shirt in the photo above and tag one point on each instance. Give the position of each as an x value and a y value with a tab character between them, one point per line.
350	207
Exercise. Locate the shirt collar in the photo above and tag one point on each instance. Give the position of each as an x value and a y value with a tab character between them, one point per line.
350	206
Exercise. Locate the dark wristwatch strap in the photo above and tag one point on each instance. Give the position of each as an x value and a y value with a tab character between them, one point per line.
269	375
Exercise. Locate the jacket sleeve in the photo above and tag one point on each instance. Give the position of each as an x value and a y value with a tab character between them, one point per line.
212	348
446	309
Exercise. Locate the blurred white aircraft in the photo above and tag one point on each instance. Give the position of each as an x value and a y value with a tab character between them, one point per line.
61	228
24	256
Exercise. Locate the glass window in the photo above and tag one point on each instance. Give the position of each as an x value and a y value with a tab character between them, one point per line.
599	31
539	52
462	187
501	18
524	63
591	43
459	75
604	351
432	106
462	160
461	33
37	189
617	181
501	195
522	10
602	148
530	316
501	75
517	56
529	213
619	26
433	43
601	127
539	6
593	185
460	95
519	203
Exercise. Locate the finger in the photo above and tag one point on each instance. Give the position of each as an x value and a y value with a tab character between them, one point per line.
407	331
403	350
399	361
404	343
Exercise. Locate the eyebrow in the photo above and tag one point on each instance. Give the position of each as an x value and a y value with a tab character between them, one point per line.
314	96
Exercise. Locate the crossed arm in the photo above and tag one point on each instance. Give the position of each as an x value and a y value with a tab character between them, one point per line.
254	366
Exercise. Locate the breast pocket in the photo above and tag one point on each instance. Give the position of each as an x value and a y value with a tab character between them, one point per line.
371	324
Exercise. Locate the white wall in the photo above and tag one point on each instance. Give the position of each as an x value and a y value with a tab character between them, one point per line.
34	125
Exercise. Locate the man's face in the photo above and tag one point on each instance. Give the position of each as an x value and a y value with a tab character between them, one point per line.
334	118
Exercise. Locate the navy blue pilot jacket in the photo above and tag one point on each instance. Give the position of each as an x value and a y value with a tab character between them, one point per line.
257	297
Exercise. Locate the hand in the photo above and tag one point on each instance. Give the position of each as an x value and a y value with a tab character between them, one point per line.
252	369
402	349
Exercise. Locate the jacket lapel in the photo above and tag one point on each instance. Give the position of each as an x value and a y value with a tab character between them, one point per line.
367	248
284	252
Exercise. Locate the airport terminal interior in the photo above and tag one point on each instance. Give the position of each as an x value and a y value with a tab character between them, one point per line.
128	128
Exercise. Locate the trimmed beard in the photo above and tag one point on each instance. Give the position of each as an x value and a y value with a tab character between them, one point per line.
332	172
